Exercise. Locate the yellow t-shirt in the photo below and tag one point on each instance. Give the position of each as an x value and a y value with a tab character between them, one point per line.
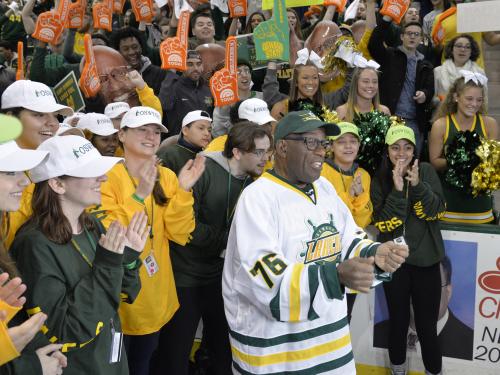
157	301
79	46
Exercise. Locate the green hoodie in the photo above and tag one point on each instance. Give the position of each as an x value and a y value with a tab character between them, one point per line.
215	196
80	299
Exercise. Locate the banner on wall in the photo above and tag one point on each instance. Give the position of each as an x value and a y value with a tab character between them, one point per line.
268	4
469	316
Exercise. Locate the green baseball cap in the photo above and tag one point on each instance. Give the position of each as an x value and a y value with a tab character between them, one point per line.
10	128
397	132
347	127
302	122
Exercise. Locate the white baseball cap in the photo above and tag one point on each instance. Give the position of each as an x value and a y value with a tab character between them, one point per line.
16	159
195	116
114	110
64	128
97	123
34	96
255	110
74	156
140	116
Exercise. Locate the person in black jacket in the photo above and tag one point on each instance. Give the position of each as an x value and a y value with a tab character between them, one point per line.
129	43
182	94
407	79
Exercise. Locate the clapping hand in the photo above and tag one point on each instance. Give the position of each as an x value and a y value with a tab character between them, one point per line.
137	231
412	174
12	290
147	178
114	239
397	175
356	188
191	172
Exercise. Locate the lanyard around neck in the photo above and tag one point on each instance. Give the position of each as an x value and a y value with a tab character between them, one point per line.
79	249
151	233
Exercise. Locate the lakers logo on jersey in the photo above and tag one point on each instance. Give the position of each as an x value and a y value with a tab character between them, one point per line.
325	244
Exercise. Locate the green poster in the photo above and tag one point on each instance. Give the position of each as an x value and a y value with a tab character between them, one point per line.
67	92
271	37
246	51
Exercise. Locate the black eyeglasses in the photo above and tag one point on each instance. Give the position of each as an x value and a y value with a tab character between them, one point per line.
260	153
312	144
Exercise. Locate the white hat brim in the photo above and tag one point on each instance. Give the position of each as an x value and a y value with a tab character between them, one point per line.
50	108
95	168
22	160
263	120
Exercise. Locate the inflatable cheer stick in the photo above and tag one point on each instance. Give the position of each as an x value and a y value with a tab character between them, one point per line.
395	9
339	4
173	51
20	61
143	10
89	80
224	82
102	14
237	8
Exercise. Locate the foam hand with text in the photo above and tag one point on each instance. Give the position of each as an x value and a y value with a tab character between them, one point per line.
237	8
20	61
76	14
118	6
339	4
272	41
89	80
49	25
143	10
102	14
224	82
173	51
395	9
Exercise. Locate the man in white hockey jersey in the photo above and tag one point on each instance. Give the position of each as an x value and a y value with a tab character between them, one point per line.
292	249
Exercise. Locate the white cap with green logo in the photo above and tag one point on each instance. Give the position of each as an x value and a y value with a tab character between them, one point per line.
34	96
74	156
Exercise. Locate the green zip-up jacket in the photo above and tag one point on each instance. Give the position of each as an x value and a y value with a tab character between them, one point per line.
418	214
215	196
80	299
175	156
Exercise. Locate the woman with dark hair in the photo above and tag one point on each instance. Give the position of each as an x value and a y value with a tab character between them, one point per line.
406	194
34	104
16	336
253	21
462	110
460	53
75	273
294	22
141	184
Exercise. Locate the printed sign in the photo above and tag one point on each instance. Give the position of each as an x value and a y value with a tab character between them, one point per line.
478	17
89	80
173	51
48	27
224	82
271	37
68	93
246	51
269	4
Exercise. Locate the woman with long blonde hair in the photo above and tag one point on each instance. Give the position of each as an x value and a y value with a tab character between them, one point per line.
363	95
463	109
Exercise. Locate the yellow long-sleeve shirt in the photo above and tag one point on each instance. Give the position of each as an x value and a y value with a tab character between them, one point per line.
17	218
157	300
148	98
9	351
361	206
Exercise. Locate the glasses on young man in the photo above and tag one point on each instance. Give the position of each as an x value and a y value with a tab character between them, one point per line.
415	34
312	144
